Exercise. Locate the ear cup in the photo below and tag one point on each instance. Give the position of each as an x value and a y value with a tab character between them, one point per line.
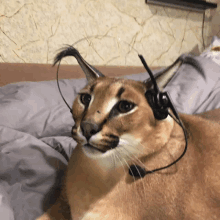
158	102
164	101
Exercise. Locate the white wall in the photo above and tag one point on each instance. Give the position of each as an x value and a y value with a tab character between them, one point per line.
32	31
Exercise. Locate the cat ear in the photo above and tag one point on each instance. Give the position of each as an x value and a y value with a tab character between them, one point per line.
90	72
165	75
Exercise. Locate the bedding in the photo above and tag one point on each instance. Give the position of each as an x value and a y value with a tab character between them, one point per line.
35	139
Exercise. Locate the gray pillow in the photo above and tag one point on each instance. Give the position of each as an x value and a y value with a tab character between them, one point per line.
37	107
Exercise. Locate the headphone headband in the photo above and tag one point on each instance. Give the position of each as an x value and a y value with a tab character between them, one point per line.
159	102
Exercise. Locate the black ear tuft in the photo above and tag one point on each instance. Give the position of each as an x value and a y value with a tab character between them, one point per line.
90	72
64	52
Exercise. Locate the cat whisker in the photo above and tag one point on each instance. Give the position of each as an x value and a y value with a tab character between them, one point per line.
120	160
133	178
134	157
138	160
125	162
125	142
114	159
128	144
115	155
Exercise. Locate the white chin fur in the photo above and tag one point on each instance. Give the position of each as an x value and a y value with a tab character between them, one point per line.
96	154
127	149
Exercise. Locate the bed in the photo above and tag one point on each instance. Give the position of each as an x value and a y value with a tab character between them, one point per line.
35	124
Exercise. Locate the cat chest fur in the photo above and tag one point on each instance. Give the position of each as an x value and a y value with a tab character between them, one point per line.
98	194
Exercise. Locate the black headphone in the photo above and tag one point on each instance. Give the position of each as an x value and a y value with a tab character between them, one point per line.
160	102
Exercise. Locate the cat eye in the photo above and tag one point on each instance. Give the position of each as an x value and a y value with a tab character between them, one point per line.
125	106
85	98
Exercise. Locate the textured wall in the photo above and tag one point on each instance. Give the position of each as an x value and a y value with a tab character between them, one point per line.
32	31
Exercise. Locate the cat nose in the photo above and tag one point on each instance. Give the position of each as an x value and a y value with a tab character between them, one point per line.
89	128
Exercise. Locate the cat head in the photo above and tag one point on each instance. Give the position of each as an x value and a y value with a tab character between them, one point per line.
113	118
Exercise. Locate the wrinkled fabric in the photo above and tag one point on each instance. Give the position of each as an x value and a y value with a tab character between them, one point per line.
35	124
193	92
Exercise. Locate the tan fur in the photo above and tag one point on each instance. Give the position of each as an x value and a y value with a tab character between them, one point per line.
99	187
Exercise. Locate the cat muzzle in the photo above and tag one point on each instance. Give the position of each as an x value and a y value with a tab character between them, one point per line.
105	144
95	148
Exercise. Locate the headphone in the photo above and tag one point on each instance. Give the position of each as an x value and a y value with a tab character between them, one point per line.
159	102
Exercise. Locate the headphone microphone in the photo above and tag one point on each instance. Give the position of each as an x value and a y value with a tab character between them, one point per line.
159	102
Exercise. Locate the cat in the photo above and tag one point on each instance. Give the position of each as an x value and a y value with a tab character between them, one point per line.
115	128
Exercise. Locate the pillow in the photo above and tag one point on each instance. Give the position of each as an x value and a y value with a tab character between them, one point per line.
213	51
37	107
190	89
